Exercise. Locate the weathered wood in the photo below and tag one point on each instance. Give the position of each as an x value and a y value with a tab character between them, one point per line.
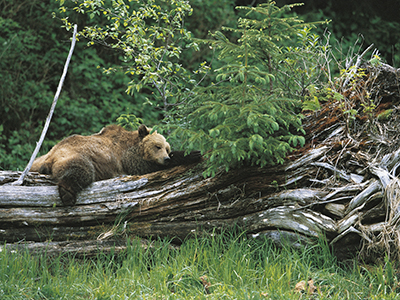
168	199
180	202
78	249
175	203
342	185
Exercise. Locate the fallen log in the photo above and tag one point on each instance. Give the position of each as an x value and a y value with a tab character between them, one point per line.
178	203
162	198
174	203
342	185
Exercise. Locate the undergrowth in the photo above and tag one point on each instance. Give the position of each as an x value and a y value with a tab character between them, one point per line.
226	266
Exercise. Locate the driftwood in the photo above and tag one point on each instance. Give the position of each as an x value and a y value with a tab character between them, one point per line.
342	185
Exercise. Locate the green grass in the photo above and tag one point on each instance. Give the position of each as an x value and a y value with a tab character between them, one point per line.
234	267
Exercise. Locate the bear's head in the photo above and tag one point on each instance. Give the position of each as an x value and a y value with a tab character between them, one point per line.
155	147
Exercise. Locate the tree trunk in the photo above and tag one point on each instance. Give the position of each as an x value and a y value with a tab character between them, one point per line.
341	185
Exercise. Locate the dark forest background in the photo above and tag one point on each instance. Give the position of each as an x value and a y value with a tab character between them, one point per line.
34	46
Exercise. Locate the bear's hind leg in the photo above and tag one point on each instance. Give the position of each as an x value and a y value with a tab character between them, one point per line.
72	176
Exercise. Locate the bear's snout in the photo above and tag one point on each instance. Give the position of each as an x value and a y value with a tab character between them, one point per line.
163	160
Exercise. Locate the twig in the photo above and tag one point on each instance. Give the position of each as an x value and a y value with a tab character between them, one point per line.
8	46
358	62
20	180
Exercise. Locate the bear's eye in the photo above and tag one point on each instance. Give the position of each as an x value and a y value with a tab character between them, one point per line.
158	147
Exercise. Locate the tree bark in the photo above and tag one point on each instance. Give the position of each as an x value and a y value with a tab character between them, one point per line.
342	185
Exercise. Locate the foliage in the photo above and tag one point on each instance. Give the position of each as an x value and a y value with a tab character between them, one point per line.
32	57
228	266
305	65
353	22
33	50
351	92
312	100
129	121
151	36
31	39
251	114
244	118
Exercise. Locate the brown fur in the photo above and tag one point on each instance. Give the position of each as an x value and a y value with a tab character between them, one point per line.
77	161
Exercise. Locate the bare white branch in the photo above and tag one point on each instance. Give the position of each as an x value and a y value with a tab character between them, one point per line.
20	180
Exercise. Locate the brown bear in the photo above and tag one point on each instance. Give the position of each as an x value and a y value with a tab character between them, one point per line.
78	160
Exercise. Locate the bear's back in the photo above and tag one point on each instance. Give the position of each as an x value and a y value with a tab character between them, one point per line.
111	138
105	149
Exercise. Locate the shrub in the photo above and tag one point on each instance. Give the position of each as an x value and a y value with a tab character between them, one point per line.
251	115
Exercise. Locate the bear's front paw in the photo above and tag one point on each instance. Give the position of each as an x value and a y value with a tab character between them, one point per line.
67	196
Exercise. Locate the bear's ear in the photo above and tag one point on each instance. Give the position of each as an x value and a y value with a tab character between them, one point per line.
143	131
